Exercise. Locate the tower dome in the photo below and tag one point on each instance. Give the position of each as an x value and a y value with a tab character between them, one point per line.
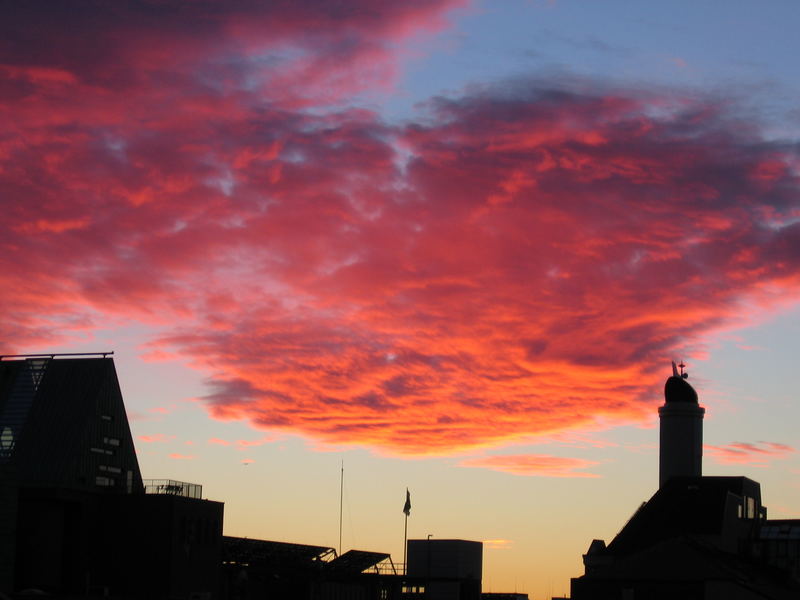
677	389
681	443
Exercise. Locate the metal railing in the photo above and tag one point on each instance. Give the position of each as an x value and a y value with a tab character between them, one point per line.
170	487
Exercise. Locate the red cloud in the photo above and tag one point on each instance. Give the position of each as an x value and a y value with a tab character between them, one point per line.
757	454
513	262
541	465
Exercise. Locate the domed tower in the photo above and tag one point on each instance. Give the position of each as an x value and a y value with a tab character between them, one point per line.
681	448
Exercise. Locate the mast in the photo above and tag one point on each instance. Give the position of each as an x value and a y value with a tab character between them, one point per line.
341	496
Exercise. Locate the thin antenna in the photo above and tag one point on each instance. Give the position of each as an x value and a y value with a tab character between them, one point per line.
341	497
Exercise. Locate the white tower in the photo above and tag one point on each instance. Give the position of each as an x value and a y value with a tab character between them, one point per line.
681	448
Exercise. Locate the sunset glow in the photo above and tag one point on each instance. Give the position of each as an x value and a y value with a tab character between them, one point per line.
510	259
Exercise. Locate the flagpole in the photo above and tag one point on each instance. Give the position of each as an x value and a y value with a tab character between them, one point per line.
341	496
405	548
407	511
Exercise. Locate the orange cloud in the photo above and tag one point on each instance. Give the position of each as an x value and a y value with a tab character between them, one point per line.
538	465
756	454
498	544
509	262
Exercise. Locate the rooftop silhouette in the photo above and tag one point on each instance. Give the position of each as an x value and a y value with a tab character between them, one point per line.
78	520
698	537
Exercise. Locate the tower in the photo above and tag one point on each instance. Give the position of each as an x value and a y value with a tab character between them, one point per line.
681	447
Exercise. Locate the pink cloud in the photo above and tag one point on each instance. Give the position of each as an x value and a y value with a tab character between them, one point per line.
178	456
757	454
749	348
156	437
539	465
241	444
245	444
219	442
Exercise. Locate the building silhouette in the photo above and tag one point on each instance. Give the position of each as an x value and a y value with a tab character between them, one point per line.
698	537
77	520
444	569
74	515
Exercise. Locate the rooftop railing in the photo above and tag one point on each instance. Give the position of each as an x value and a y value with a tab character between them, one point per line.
170	487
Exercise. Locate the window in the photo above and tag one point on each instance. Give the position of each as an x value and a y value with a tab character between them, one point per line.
111	441
104	481
7	441
101	451
750	513
106	418
110	469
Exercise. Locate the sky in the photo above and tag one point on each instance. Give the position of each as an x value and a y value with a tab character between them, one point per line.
452	245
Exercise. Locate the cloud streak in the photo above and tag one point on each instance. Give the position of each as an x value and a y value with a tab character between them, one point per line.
756	454
156	437
535	465
178	456
514	260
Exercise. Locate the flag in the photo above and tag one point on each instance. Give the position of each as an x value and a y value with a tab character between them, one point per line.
407	505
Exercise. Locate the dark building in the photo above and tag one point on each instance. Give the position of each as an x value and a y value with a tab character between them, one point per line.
698	537
444	569
74	515
437	570
78	520
267	569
